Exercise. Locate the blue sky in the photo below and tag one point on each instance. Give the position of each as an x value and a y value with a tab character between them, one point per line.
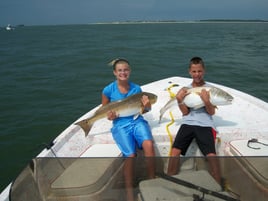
51	12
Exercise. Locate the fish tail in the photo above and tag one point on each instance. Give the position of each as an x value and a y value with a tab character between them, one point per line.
162	111
167	106
85	125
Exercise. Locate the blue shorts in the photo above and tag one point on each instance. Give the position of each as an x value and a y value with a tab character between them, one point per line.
130	136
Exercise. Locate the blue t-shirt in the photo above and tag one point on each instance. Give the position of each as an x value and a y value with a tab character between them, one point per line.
198	117
112	92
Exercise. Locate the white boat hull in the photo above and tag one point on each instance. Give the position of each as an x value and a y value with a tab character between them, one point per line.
244	119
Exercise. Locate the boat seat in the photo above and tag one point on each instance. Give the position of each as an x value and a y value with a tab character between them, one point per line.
253	159
248	169
102	150
90	172
161	189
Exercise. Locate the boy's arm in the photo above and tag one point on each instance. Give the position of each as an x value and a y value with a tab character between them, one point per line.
206	99
180	96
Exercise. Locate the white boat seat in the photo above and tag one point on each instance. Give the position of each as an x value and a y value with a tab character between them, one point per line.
253	159
102	150
88	175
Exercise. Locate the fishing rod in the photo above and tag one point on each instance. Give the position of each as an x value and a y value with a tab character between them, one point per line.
196	187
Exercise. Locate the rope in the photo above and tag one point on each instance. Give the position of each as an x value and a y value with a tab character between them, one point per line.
172	95
169	133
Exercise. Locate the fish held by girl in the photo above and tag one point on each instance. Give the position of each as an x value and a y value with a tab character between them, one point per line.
130	106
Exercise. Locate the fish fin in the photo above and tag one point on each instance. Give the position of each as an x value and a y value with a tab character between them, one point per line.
85	125
162	112
136	116
198	106
160	118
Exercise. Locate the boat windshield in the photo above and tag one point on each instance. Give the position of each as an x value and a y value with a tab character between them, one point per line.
112	179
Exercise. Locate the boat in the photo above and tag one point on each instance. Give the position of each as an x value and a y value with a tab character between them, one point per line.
9	27
79	167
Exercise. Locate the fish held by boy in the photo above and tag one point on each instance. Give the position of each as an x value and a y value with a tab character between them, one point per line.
218	97
126	107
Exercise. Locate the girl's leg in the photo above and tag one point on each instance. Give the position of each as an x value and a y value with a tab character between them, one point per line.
149	153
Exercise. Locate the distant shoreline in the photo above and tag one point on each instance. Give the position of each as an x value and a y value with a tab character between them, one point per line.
159	22
184	21
230	20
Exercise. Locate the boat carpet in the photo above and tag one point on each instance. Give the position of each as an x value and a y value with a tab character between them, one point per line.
161	189
88	174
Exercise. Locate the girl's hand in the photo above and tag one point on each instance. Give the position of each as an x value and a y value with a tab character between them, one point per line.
145	104
111	115
145	101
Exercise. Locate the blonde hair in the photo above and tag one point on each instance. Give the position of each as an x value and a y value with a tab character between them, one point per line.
118	61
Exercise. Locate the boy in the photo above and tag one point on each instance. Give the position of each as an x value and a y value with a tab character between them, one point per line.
196	123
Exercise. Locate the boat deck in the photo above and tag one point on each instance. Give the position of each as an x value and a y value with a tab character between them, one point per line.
235	121
75	155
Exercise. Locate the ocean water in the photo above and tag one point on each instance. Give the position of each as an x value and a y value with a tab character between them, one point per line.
51	75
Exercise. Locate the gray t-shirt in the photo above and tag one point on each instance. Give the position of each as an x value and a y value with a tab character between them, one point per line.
198	117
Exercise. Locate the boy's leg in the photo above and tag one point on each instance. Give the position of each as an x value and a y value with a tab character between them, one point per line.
174	160
214	166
